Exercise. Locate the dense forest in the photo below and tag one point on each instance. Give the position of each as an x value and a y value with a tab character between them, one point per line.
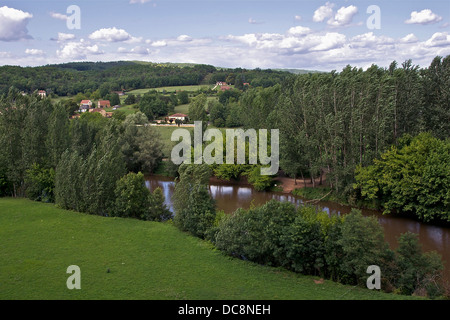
80	77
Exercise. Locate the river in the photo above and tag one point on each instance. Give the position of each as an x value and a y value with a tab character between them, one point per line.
231	196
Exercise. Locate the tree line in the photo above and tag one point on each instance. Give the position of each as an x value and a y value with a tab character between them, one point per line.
91	164
332	123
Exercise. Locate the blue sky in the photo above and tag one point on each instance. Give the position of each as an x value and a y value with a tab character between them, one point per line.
306	34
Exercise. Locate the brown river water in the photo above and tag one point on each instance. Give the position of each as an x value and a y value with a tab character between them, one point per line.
231	196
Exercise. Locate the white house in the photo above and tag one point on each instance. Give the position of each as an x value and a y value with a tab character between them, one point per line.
85	105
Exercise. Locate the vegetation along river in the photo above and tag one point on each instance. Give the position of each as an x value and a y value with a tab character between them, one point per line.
230	196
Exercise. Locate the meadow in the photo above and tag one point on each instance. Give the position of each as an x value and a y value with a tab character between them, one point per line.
132	259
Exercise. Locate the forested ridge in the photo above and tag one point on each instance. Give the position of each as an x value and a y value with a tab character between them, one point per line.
79	77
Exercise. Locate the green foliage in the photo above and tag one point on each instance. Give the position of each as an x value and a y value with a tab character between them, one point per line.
197	111
417	271
132	197
194	207
141	145
153	105
40	183
413	178
183	97
130	99
362	244
258	181
158	210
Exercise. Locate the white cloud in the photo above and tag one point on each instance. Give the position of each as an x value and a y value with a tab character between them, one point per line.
438	39
425	16
159	43
409	38
323	12
58	16
184	37
111	35
78	50
13	24
343	16
34	52
64	37
298	17
299	31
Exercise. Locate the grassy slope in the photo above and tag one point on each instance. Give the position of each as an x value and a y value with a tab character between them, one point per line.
147	260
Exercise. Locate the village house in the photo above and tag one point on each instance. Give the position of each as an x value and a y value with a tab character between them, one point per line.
224	88
42	93
103	104
102	112
85	105
177	116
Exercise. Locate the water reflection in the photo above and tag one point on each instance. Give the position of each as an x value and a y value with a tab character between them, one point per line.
229	197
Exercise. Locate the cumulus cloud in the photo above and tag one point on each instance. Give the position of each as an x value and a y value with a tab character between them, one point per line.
159	43
13	24
323	12
78	50
409	38
438	39
64	37
184	38
34	52
425	16
298	17
343	16
111	35
299	31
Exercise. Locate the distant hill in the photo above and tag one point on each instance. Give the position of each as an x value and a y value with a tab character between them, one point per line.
71	78
298	71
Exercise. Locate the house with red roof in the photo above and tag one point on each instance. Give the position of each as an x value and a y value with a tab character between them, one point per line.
177	116
103	104
85	105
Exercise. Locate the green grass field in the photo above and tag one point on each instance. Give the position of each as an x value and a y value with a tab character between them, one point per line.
147	260
173	89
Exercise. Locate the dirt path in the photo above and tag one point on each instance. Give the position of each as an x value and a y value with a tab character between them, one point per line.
288	184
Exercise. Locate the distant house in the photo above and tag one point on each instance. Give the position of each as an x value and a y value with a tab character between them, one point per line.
221	83
103	104
85	105
178	116
120	93
42	93
246	84
102	112
224	88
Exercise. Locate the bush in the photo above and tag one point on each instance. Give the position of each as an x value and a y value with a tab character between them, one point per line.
40	183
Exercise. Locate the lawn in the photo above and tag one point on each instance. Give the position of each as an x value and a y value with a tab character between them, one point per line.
166	134
146	260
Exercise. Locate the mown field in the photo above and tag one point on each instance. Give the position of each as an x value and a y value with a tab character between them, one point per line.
146	260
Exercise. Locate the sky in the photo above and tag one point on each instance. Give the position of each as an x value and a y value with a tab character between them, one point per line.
298	34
